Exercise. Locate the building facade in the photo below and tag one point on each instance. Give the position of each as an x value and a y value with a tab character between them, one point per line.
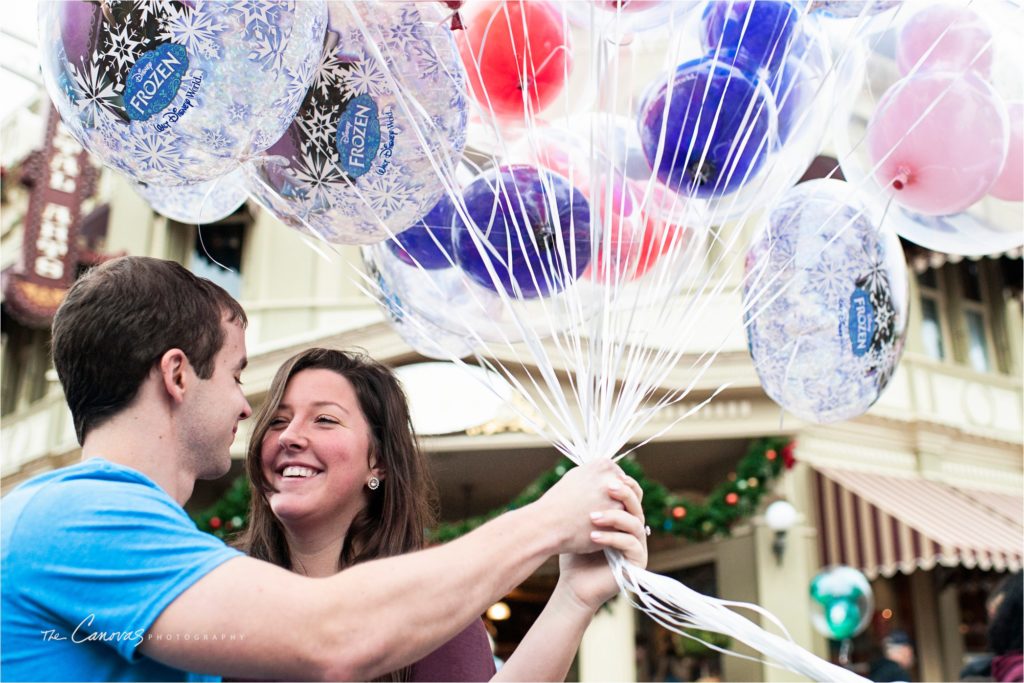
923	493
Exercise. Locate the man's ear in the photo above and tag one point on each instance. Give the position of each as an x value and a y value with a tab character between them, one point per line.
174	371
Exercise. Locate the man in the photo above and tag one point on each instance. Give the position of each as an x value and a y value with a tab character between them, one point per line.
896	661
106	578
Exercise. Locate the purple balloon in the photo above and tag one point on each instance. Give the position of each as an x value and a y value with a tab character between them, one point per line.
757	32
428	242
704	157
534	230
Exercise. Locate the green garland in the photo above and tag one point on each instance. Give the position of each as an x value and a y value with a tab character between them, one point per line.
732	500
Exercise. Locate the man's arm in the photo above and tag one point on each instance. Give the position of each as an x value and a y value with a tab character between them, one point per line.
377	616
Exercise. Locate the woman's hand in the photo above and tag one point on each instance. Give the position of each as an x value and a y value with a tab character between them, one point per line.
588	579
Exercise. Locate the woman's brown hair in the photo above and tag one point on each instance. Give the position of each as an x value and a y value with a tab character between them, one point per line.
399	512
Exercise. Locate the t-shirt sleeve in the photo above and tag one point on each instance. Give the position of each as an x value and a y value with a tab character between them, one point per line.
105	558
466	657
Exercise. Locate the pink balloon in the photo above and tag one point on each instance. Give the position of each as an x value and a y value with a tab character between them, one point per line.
938	141
946	38
1010	183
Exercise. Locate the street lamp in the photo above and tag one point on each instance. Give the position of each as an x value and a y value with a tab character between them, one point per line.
780	518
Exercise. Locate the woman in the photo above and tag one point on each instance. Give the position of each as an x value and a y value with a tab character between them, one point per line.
338	479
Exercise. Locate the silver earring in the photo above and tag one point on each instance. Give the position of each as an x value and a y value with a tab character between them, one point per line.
373	483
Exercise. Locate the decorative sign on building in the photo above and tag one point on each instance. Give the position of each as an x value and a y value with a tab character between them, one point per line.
60	177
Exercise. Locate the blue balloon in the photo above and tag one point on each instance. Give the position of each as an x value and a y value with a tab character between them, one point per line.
757	32
176	93
717	128
428	242
530	227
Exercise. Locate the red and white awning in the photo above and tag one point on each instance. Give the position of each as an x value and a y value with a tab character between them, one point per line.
883	524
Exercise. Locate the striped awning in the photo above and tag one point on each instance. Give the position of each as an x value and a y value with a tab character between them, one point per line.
883	524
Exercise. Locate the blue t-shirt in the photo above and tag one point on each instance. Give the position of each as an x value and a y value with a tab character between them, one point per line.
91	555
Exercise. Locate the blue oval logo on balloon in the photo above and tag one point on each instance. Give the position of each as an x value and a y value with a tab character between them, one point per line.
862	322
427	244
716	126
358	136
154	80
533	230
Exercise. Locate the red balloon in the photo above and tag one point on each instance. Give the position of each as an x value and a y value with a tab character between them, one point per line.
636	238
514	47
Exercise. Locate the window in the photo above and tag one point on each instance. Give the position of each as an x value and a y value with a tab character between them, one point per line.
213	251
217	255
975	317
961	320
932	322
26	359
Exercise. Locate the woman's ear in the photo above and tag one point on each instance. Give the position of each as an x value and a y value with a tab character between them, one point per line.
377	468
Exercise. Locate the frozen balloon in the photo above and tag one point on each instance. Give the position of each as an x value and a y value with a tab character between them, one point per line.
387	107
825	303
198	204
847	9
175	93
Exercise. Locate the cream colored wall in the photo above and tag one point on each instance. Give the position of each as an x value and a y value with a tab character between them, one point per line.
607	652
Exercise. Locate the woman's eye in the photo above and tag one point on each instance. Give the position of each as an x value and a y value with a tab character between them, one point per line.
327	419
278	422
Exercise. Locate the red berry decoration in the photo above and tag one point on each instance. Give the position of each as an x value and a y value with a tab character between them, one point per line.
771	455
732	498
679	512
215	522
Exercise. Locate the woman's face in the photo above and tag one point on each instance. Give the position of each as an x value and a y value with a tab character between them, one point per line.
316	452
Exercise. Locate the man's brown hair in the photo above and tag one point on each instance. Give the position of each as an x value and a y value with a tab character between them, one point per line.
119	319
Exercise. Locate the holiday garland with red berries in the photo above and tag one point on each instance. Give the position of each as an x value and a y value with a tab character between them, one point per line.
731	501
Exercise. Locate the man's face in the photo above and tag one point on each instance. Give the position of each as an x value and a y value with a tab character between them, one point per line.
215	407
902	655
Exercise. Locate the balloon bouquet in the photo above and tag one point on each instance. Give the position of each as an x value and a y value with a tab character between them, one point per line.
567	191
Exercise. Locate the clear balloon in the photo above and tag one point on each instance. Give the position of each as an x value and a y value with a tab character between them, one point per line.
708	129
198	204
842	602
945	38
357	164
825	303
1010	183
938	141
417	331
178	93
517	55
